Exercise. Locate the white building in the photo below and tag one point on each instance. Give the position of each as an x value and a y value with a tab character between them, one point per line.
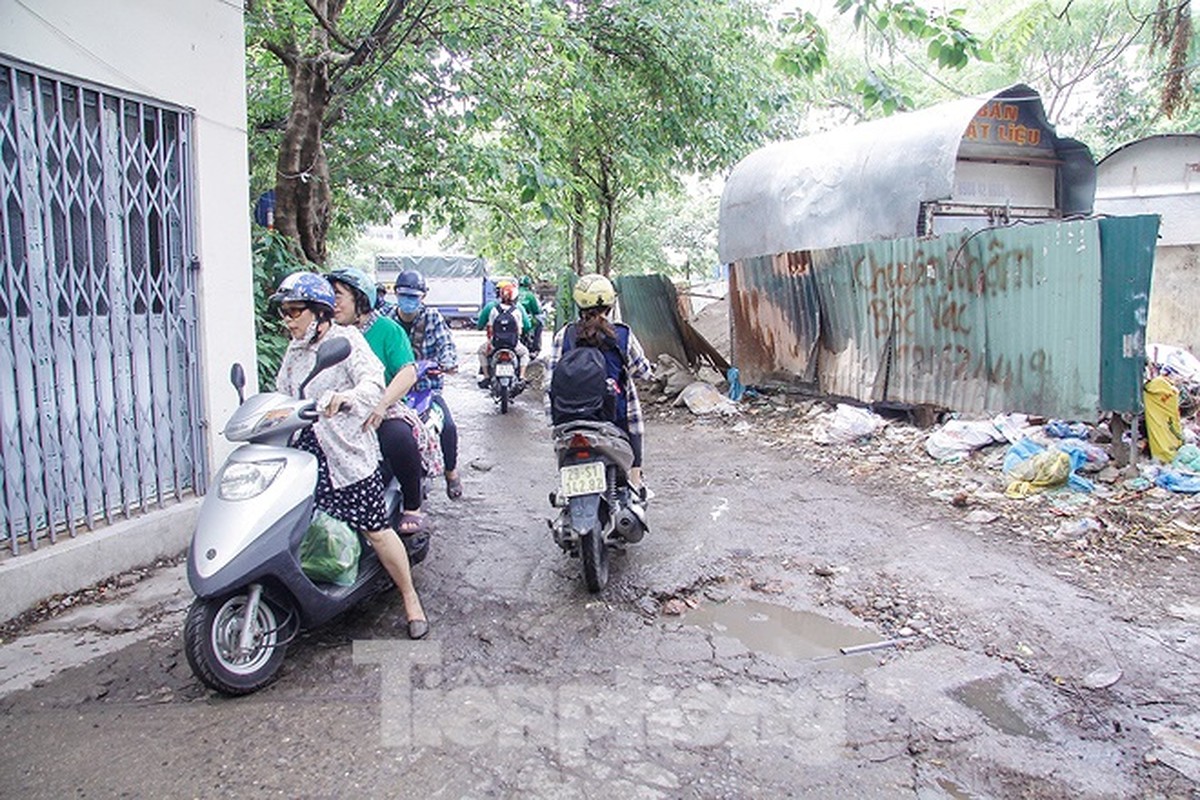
1161	175
125	279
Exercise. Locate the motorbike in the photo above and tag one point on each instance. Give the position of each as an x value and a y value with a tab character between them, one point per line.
597	509
503	382
252	597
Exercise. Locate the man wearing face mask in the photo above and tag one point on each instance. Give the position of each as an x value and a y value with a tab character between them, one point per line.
431	340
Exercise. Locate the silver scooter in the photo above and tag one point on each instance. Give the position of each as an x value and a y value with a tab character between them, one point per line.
252	598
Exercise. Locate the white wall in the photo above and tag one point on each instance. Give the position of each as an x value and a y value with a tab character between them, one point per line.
189	53
1161	175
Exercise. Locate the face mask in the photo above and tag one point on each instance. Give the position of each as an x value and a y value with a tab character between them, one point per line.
408	304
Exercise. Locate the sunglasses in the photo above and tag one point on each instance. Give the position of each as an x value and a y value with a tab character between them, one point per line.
291	312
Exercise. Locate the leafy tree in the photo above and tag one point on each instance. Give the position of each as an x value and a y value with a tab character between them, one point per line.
613	101
354	103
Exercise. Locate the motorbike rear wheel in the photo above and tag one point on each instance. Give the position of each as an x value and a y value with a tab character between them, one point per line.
593	552
211	636
504	398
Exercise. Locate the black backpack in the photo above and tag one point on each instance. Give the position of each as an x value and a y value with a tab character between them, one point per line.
505	330
579	388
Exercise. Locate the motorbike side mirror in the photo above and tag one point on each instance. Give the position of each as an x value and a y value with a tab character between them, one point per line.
331	351
237	376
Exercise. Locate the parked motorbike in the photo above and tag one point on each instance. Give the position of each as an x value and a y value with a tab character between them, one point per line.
252	598
502	376
597	509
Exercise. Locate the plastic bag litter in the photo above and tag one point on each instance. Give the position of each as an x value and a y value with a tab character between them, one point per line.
1163	428
1092	457
1188	458
1174	360
329	551
1031	467
704	398
847	424
736	390
1067	430
958	437
1179	482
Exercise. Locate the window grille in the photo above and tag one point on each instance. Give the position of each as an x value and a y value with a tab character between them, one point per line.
100	413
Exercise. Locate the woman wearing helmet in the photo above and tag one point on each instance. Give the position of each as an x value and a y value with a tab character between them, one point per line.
349	486
625	359
395	423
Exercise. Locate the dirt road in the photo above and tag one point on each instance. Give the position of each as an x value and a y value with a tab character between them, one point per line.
709	668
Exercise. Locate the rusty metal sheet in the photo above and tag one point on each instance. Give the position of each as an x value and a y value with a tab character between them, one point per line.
999	320
774	316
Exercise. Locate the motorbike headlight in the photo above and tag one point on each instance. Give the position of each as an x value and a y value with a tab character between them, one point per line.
242	480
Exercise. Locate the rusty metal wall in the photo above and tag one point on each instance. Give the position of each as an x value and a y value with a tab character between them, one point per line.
775	317
1001	320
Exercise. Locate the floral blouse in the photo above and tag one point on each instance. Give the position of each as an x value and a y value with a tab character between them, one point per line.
352	453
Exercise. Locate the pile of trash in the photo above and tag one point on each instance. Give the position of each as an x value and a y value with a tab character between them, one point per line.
1057	479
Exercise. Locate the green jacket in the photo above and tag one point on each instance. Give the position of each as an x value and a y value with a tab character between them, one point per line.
486	313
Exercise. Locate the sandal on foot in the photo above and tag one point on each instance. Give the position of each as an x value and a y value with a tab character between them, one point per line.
454	487
418	628
410	523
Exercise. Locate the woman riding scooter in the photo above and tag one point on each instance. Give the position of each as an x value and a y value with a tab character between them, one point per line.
624	357
397	426
349	484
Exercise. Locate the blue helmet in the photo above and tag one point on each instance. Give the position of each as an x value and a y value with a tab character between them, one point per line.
357	280
305	287
410	282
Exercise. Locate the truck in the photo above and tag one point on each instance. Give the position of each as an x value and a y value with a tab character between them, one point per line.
458	284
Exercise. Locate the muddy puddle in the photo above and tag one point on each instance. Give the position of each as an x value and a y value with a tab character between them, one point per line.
988	697
775	630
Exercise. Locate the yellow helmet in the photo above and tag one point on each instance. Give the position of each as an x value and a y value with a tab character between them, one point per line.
594	291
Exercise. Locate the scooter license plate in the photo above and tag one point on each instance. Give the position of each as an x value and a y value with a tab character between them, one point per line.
505	371
578	479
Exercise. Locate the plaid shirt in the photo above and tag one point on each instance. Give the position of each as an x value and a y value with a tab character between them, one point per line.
433	342
639	367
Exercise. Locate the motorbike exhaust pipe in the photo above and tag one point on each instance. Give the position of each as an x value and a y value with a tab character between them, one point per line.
628	526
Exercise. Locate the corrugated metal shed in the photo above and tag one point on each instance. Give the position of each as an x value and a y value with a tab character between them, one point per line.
999	320
868	182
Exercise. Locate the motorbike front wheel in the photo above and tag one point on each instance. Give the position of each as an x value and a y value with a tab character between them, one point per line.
593	552
212	634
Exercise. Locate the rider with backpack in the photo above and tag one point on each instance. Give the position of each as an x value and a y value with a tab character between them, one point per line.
504	324
593	363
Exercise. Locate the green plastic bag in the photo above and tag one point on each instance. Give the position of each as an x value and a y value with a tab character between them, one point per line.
330	550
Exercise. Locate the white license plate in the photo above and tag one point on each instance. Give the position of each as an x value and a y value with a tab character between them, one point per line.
578	479
505	370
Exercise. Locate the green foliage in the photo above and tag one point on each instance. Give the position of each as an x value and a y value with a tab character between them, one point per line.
950	43
273	259
805	48
874	90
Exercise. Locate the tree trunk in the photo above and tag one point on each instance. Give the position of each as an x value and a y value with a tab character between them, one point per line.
578	207
606	219
302	193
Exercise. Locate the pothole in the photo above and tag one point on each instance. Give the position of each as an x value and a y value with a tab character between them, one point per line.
776	630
